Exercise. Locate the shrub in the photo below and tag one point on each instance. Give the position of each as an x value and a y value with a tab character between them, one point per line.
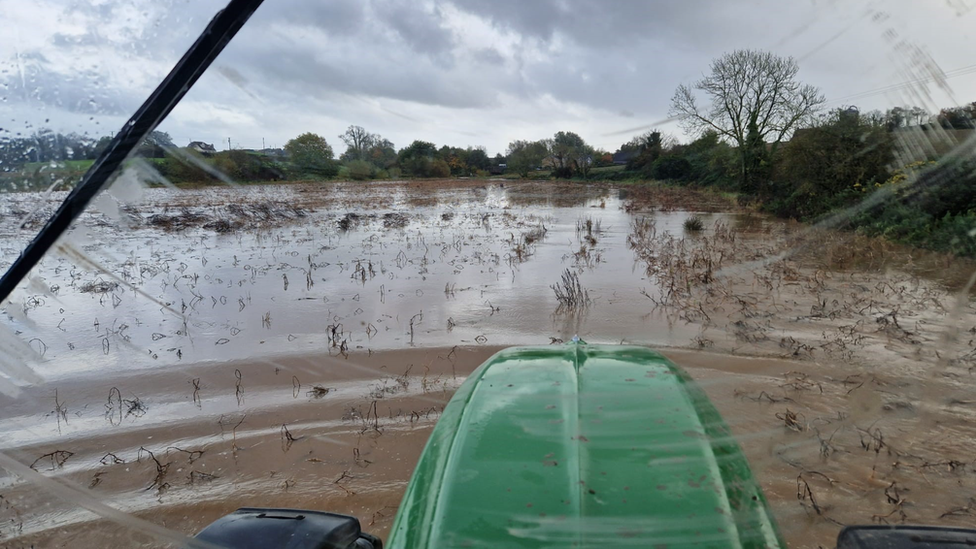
226	165
671	168
829	166
439	168
416	167
184	170
564	172
247	166
310	153
360	170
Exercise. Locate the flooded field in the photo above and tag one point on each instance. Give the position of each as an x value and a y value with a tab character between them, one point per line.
203	350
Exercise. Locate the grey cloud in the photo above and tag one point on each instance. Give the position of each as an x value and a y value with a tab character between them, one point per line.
172	26
336	17
622	59
31	81
424	32
302	73
489	56
595	23
365	53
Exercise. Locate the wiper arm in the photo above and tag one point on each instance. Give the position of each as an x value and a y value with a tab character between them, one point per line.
194	62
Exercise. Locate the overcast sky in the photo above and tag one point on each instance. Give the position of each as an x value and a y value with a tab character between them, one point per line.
460	72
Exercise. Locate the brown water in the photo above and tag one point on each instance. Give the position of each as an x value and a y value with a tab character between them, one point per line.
842	363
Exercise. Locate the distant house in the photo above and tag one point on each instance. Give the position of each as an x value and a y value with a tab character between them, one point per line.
497	169
623	157
206	149
278	153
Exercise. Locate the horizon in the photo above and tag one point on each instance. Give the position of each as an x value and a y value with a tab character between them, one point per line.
458	73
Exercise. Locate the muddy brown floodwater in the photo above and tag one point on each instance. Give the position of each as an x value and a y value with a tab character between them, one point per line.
203	350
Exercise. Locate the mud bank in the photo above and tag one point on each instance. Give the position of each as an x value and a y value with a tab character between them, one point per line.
345	434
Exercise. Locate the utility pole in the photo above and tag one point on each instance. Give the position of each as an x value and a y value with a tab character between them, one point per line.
262	144
228	144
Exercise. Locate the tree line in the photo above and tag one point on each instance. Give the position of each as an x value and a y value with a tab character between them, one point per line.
756	130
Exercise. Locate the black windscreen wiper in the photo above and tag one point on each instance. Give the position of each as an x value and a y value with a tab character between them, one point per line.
194	62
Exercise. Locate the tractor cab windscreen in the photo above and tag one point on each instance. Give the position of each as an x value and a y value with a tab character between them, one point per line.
252	251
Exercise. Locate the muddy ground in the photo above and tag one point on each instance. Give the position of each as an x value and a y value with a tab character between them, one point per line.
293	346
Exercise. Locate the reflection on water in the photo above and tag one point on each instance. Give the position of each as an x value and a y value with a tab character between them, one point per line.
344	277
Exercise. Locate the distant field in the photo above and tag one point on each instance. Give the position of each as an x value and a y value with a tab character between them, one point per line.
607	169
61	164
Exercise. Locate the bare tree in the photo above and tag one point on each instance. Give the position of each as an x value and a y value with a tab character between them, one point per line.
919	115
358	142
749	92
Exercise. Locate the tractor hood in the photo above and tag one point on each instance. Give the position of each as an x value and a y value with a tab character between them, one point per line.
581	446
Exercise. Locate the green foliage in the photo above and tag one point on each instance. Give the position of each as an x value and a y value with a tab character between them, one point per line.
707	161
439	168
525	156
247	166
40	176
756	161
902	223
309	153
418	149
602	159
671	167
562	172
416	159
225	165
415	166
154	145
100	146
382	154
240	166
567	153
645	148
360	170
358	143
927	205
478	159
946	188
713	162
183	170
829	166
960	118
44	145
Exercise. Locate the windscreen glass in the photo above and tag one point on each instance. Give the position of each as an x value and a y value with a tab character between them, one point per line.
281	288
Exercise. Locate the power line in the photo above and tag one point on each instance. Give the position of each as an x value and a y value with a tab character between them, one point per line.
893	87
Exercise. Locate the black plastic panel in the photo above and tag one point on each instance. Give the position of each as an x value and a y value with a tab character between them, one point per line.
904	537
252	528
